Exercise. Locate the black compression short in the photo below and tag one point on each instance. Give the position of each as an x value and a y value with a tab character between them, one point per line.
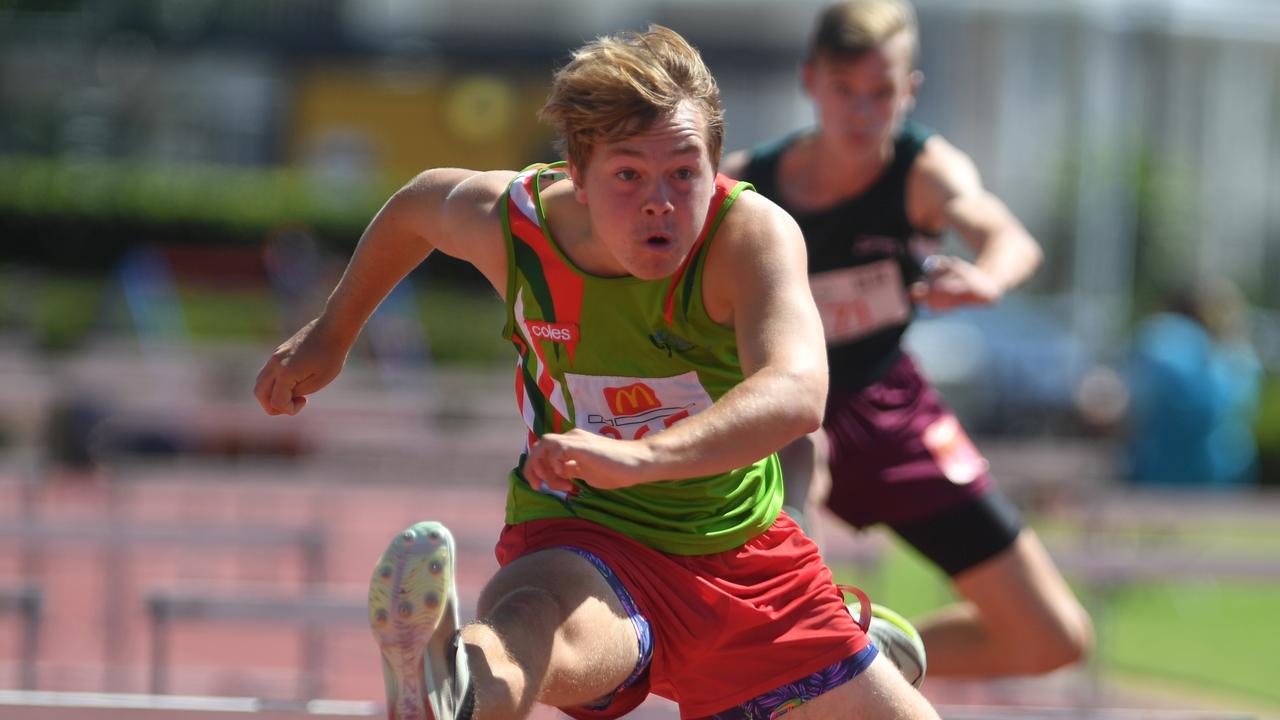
966	535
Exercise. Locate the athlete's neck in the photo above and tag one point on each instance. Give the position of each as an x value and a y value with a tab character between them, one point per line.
570	225
819	173
850	169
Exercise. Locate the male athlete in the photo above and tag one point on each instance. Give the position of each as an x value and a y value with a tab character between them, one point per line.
668	345
872	192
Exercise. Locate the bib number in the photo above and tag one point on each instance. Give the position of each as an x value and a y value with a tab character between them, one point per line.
627	408
857	301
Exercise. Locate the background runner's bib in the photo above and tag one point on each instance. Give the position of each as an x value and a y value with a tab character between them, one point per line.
856	301
625	358
869	229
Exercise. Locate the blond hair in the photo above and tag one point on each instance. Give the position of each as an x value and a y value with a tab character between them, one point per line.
850	28
619	85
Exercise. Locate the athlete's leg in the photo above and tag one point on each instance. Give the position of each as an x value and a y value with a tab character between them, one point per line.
1019	618
877	692
897	639
888	465
806	479
550	629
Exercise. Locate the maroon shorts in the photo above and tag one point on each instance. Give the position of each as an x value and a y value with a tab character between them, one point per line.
727	627
898	454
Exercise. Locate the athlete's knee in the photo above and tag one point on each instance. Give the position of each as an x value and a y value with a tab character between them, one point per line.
509	649
530	607
504	687
877	693
1075	640
1066	641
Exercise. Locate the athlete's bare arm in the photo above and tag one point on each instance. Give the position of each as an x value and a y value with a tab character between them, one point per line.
763	284
755	281
451	210
944	190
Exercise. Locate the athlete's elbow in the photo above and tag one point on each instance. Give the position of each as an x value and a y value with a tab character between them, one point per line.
810	401
1032	255
1035	255
809	423
812	419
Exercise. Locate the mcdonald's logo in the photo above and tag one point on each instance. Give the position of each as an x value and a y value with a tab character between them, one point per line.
631	399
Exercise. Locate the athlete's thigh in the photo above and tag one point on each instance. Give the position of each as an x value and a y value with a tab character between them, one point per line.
595	647
1020	591
877	693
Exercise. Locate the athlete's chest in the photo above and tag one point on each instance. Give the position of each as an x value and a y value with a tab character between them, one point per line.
653	330
850	235
860	264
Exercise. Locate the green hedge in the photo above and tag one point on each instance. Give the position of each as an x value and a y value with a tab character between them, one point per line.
1267	429
87	212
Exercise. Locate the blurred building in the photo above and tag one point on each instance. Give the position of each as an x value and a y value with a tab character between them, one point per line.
1136	138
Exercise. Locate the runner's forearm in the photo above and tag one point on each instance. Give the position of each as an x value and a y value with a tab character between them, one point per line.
1010	257
392	246
757	417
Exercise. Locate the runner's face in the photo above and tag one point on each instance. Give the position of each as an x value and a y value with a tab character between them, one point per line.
861	103
648	195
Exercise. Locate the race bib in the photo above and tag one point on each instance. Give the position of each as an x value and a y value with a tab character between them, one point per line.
953	451
859	300
626	408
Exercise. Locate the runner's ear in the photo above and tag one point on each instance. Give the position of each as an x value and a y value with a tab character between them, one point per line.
579	189
914	81
806	77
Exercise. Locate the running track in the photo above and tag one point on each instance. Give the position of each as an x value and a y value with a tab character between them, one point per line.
372	471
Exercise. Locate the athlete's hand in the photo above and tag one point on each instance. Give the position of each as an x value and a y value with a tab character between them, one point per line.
951	282
556	460
303	364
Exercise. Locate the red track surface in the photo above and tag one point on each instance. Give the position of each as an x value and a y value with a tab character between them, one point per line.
96	633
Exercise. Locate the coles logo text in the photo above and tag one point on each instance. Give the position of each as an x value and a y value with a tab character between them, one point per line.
555	332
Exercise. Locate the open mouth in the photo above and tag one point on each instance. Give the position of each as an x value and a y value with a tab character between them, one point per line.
657	241
865	135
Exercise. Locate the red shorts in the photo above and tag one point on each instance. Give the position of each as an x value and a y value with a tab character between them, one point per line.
898	454
727	627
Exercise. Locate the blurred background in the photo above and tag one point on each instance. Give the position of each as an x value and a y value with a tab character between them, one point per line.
182	181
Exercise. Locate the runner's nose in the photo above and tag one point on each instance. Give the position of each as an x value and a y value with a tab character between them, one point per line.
658	200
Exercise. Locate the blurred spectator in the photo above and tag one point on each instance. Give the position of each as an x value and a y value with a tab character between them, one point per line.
1196	381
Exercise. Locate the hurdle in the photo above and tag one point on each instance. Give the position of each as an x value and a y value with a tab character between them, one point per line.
1115	567
310	541
317	608
116	537
34	705
992	712
27	601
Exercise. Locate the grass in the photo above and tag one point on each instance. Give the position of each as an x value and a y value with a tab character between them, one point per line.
464	328
60	313
1213	640
1221	637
